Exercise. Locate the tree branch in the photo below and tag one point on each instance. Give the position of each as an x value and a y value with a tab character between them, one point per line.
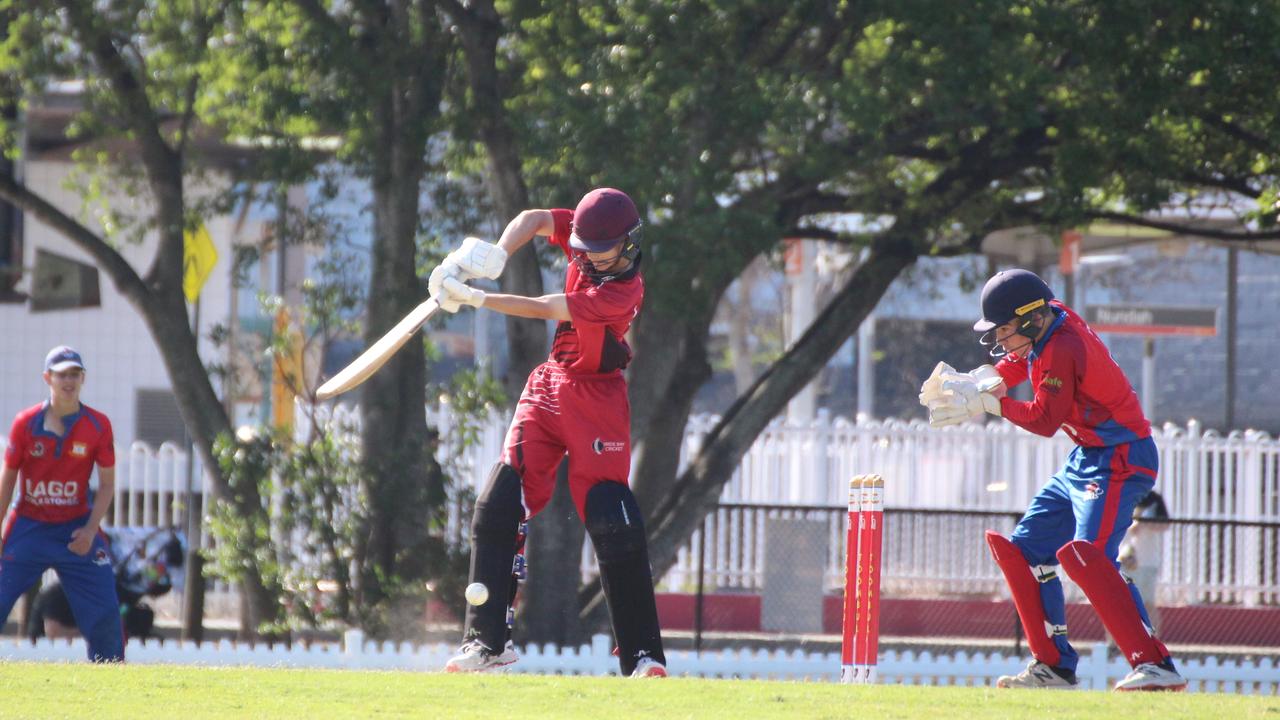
1181	229
1242	134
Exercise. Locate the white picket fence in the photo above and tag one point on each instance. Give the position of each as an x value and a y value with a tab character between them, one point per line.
993	468
1098	670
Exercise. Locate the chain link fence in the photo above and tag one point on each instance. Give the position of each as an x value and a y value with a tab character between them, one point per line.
779	570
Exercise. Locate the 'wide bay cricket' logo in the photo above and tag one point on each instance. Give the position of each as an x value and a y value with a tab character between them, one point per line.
601	447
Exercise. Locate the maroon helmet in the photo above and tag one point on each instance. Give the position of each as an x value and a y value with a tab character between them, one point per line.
604	217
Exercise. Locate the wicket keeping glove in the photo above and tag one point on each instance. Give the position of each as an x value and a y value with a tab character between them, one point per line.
973	398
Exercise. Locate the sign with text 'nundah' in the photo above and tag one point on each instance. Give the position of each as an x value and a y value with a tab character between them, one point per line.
1153	320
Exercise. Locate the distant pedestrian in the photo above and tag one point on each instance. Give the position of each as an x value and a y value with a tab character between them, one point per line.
53	448
1142	552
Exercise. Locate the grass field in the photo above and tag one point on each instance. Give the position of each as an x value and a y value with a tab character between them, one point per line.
39	690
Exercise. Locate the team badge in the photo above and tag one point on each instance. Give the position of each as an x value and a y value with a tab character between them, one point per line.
37	450
79	449
1092	491
100	557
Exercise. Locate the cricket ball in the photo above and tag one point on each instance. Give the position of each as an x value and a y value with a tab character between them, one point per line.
477	593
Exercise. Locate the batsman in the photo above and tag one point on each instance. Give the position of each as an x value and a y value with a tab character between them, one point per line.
1079	518
574	404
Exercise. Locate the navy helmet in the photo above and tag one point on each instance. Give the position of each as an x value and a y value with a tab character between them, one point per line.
1011	294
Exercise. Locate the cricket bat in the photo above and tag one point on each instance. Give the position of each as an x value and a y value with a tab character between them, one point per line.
379	353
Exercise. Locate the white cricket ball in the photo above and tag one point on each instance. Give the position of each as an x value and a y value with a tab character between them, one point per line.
477	593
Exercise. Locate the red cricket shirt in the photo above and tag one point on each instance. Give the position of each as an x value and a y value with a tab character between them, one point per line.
1078	387
53	471
594	341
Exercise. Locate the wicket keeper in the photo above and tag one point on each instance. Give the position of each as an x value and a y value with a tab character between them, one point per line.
573	404
1079	518
52	449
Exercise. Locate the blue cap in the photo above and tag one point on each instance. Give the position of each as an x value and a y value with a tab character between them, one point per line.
1009	294
62	358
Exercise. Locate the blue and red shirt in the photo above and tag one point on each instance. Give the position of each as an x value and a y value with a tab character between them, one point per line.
53	470
1078	387
594	341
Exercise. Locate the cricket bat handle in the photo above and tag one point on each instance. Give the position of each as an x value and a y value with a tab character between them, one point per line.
379	353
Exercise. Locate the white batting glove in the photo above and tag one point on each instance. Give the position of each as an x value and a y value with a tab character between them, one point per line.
435	281
461	293
477	258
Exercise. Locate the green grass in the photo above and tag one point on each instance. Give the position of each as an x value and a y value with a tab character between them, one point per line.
47	690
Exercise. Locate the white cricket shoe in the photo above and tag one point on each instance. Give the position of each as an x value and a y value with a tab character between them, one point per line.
1038	675
475	656
1150	677
649	668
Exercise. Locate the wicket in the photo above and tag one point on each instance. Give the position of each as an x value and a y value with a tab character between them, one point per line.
860	643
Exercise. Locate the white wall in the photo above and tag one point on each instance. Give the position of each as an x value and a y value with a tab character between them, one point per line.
118	351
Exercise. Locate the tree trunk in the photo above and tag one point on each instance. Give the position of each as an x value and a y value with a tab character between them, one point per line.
549	609
699	487
400	474
697	490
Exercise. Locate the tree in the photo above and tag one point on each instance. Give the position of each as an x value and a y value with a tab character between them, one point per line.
144	69
933	123
371	76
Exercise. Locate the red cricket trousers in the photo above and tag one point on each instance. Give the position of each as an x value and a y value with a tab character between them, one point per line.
586	416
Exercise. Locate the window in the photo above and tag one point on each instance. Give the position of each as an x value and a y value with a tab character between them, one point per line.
60	283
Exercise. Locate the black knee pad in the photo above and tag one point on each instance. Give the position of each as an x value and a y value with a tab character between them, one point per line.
613	521
500	508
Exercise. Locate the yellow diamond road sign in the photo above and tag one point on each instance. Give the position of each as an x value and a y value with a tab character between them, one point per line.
198	258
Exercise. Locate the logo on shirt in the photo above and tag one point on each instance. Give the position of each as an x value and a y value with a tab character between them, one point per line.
601	447
37	449
52	492
1052	384
1092	491
101	558
79	449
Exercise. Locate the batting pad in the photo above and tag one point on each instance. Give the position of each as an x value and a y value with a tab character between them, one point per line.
1097	576
1026	597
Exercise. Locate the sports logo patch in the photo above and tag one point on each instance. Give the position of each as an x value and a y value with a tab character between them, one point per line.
79	449
601	447
1052	384
1092	491
37	450
101	558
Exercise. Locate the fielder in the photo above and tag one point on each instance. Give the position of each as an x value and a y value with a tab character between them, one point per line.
576	404
1079	518
52	449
